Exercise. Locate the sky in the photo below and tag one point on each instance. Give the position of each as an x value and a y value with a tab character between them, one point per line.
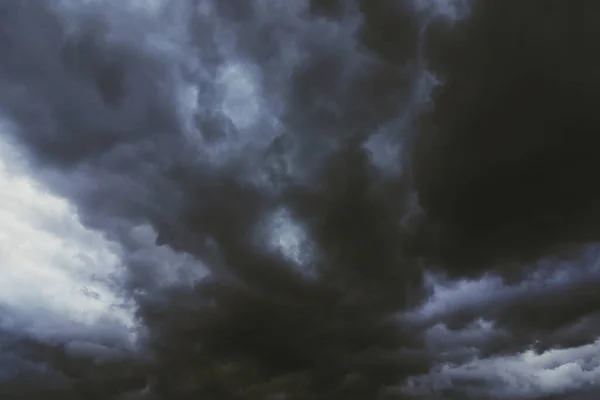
308	199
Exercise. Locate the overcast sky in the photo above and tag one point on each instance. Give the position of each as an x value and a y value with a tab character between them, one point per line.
308	199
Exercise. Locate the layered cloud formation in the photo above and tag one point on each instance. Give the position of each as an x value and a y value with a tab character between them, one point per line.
299	200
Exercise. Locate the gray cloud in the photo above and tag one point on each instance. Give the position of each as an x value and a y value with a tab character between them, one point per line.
179	134
279	180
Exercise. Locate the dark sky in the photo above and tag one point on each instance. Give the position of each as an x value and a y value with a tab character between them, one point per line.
376	199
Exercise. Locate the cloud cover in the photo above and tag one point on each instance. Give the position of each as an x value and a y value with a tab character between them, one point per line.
316	199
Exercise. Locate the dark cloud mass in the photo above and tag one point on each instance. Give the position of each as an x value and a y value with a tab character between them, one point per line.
311	161
506	161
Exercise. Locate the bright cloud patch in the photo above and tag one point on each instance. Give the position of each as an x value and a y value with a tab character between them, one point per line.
57	276
525	375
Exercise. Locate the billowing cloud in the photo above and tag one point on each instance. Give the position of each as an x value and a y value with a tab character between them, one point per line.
522	376
304	199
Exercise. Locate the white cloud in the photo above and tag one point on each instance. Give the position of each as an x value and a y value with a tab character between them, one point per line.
57	278
450	296
524	375
287	237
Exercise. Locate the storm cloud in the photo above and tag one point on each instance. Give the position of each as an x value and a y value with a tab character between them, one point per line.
507	157
303	199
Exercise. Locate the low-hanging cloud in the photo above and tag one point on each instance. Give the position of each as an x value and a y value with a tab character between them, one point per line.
297	196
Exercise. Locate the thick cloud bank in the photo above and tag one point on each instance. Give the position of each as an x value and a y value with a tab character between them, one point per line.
328	199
